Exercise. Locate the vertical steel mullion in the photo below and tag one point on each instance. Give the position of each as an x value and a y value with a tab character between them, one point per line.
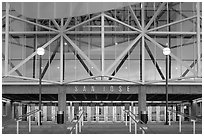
102	44
7	38
143	43
198	38
169	37
61	55
35	47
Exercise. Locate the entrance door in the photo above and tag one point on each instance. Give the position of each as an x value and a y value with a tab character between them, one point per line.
93	113
118	114
101	114
49	113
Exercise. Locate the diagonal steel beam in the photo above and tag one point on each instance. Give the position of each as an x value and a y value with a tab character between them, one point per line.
107	97
36	24
184	16
172	55
85	97
172	23
33	54
81	53
67	23
123	53
120	22
154	61
56	24
118	97
122	61
192	65
83	63
134	17
50	61
82	23
155	15
12	65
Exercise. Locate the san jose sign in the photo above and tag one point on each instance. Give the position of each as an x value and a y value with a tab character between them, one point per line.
102	89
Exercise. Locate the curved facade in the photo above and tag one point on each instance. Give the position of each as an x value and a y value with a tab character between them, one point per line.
118	46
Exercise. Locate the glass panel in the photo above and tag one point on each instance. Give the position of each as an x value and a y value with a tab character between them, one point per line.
49	113
162	111
93	113
118	113
101	113
85	115
110	113
154	113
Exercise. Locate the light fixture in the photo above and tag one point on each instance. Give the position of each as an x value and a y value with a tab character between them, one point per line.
65	43
40	51
166	51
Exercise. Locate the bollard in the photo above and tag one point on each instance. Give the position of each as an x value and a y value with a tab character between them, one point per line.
125	119
143	131
130	123
79	125
193	126
17	127
143	128
82	121
135	127
76	129
29	121
39	118
179	123
169	118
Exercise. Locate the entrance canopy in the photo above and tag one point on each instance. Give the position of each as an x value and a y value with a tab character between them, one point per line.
46	10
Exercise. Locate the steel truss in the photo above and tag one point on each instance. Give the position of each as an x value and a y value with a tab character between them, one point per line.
142	30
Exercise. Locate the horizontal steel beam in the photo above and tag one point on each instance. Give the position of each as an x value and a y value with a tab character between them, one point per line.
157	33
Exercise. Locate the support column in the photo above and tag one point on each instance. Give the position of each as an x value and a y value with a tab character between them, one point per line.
70	112
142	110
7	38
62	101
198	38
193	108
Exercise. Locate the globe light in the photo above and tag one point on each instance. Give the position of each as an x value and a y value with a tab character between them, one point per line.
40	51
166	51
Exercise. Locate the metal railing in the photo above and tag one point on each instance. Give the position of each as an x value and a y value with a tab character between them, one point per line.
138	123
29	119
79	122
180	114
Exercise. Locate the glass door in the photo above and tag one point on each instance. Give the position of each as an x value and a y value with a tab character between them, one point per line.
118	114
93	113
101	113
49	113
110	113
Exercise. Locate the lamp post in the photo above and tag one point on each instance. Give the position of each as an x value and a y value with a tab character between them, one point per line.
40	52
166	52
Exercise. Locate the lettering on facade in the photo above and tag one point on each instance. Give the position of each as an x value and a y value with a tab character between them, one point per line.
120	89
104	88
92	88
128	88
76	89
84	89
110	89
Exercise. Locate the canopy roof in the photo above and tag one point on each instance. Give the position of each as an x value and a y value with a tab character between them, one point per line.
46	10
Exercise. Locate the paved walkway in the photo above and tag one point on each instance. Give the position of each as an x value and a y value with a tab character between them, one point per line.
103	128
